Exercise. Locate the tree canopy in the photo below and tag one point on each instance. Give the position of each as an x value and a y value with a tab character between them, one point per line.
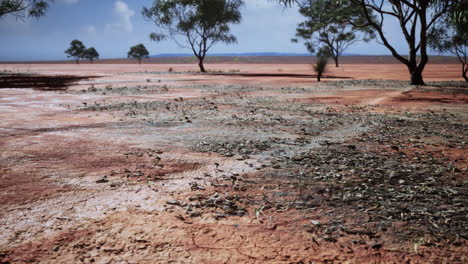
415	18
325	26
76	50
91	54
24	8
194	24
452	37
138	52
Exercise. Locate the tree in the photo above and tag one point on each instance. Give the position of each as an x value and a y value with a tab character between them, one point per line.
452	37
76	50
200	23
138	52
416	18
24	8
91	54
322	27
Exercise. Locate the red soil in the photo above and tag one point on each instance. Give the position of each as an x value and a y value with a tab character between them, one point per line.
51	152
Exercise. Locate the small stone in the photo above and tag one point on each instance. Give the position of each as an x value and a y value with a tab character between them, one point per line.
195	214
173	202
376	246
219	216
102	180
315	222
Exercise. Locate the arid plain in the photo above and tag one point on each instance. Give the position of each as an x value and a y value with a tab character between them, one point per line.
251	163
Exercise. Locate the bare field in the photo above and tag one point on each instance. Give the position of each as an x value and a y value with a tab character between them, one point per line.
349	59
251	163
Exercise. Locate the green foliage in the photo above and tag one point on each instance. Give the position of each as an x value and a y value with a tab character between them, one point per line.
451	36
325	25
24	8
324	52
91	54
76	50
138	52
415	19
448	38
320	66
199	23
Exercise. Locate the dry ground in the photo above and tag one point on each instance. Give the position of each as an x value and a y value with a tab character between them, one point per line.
248	164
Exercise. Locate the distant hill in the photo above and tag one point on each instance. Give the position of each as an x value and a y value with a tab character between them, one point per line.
254	58
247	54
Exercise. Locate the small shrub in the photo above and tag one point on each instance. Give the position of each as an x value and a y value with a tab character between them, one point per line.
170	69
92	88
321	67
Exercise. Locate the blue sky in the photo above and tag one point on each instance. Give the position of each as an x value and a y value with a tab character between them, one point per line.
112	26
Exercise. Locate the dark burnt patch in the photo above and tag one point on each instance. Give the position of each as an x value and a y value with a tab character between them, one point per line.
40	82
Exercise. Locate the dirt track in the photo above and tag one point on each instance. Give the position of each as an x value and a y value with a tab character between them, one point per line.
249	164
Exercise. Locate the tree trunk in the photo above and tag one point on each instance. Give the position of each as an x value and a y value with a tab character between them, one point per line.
139	61
200	64
336	61
416	77
318	77
465	71
77	61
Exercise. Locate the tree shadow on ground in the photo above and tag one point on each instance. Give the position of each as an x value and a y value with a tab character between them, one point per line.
440	100
40	82
280	75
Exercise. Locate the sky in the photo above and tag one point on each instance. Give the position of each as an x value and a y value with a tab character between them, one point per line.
112	26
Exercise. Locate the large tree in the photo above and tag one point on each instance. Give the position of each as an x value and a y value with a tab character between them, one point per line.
416	18
452	37
325	26
76	50
24	8
138	52
91	54
195	24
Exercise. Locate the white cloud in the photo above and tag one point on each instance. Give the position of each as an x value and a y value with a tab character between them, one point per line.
124	18
89	30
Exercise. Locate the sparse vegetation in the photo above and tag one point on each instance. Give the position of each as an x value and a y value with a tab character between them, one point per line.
76	50
320	66
162	163
138	52
324	26
416	23
452	37
79	51
201	24
91	54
